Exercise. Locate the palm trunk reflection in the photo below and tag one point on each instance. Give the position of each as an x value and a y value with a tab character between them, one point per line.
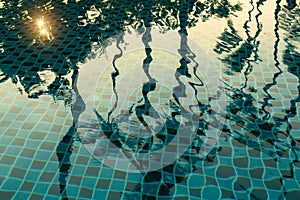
64	148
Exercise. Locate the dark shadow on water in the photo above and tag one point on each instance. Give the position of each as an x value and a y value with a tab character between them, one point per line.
291	4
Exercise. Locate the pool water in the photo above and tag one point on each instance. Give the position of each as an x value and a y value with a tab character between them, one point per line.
173	99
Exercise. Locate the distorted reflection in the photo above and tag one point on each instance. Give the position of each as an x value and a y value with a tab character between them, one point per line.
291	56
43	43
237	54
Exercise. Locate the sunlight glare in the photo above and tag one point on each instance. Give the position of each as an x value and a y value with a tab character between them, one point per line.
43	31
40	23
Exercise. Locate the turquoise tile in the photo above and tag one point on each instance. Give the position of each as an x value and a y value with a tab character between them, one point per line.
154	66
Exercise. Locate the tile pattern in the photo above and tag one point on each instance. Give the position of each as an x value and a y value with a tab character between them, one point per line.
256	157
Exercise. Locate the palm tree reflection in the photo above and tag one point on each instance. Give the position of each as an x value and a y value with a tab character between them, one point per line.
160	182
260	127
291	58
53	37
63	153
64	148
291	4
236	59
46	39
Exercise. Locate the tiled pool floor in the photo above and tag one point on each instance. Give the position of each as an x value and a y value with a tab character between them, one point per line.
45	46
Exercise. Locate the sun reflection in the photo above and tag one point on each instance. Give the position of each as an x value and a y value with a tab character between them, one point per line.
44	30
40	23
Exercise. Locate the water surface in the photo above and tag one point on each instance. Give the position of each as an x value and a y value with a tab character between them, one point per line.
45	45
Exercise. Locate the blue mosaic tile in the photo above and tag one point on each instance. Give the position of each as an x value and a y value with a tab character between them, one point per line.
153	66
